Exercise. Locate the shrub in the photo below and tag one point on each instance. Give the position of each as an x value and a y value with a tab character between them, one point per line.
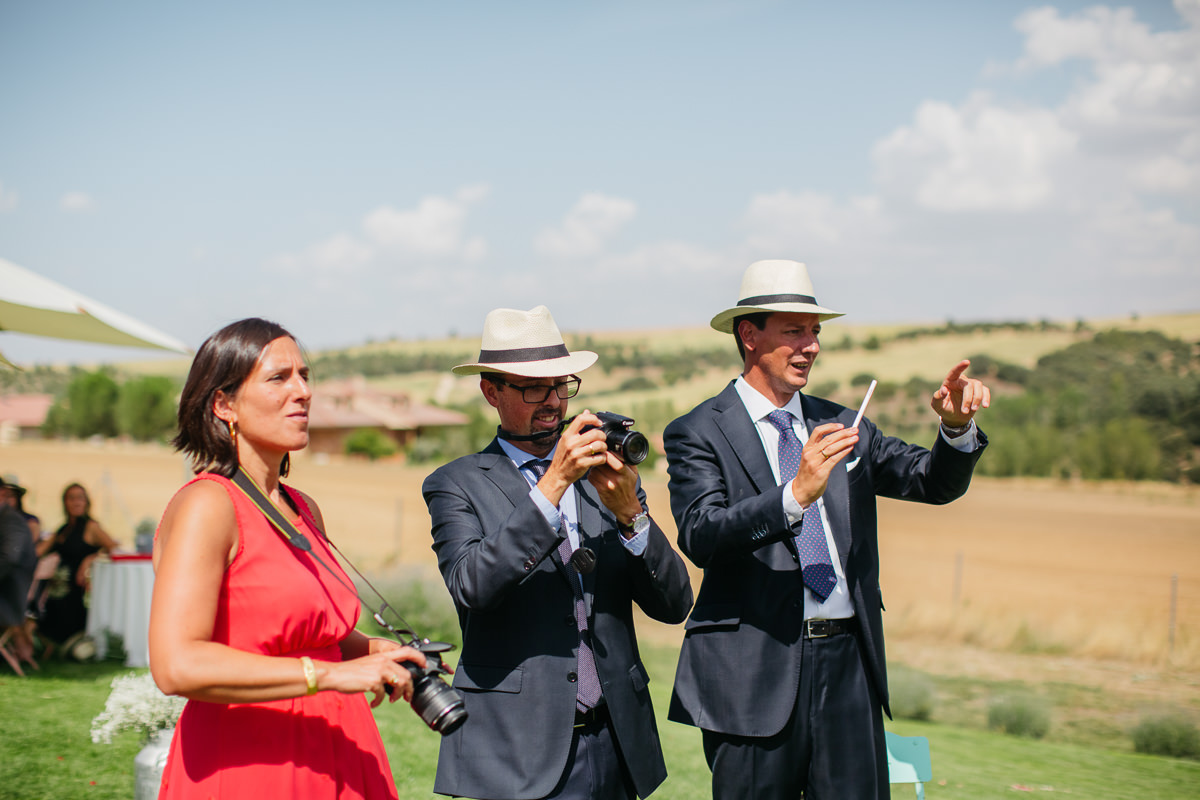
1019	715
145	408
370	442
911	694
1169	734
637	383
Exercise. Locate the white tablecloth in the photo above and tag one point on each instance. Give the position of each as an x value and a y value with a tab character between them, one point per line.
121	592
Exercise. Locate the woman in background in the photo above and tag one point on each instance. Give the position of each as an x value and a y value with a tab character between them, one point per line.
77	543
257	634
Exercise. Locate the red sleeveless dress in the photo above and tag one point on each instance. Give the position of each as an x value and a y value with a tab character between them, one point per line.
278	601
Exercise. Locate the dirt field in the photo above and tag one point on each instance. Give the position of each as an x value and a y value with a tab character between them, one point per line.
1019	578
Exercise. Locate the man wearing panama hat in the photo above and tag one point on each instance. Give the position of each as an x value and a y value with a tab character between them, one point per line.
773	492
545	543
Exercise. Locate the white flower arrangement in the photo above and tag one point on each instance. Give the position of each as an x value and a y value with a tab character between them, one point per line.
135	704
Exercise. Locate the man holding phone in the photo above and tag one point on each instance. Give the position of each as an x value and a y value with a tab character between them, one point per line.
783	665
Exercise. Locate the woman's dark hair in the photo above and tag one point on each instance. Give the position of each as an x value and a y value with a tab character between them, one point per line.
223	363
87	510
758	319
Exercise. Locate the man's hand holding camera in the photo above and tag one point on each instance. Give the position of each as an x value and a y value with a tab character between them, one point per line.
577	452
583	450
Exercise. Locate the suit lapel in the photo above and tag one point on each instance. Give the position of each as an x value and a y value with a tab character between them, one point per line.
499	468
837	491
738	429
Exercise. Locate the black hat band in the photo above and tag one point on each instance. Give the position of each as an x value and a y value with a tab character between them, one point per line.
523	354
767	299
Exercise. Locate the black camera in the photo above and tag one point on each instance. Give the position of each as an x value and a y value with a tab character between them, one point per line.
438	704
624	442
433	699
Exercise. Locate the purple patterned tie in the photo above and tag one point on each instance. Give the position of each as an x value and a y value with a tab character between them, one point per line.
587	691
810	543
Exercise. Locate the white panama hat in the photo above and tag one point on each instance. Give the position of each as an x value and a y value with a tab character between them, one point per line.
525	343
774	285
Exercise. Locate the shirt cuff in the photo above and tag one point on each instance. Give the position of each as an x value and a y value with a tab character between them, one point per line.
967	442
552	515
792	511
637	545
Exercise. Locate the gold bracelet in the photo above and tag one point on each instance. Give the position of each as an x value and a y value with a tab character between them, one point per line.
310	674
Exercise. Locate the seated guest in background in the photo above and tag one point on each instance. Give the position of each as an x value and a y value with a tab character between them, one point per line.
17	562
18	501
257	634
545	543
77	543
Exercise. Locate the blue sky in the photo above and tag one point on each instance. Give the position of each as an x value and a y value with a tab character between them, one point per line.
375	169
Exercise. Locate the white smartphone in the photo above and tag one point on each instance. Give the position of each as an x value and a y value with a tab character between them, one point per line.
863	408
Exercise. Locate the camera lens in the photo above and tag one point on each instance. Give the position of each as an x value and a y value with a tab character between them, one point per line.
629	446
435	702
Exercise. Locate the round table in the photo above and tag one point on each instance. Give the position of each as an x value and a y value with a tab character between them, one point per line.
120	605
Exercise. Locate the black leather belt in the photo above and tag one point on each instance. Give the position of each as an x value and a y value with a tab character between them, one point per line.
593	716
822	628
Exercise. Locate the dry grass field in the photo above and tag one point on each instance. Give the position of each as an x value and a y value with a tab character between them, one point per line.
1017	566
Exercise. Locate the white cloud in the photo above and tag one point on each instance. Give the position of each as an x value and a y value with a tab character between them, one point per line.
979	157
8	199
433	229
1086	205
395	242
808	222
339	254
76	201
586	228
1166	174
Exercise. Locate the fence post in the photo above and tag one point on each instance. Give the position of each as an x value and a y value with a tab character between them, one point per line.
958	574
1171	624
399	526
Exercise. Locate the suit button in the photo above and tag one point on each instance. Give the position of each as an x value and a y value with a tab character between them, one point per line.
529	564
569	619
572	677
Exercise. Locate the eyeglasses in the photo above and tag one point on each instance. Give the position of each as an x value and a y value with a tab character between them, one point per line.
539	392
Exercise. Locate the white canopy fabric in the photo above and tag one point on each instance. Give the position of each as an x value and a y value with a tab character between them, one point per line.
35	305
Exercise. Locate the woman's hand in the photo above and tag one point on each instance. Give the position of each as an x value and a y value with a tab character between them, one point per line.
83	575
372	673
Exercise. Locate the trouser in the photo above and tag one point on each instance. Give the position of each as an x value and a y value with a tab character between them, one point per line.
595	769
832	747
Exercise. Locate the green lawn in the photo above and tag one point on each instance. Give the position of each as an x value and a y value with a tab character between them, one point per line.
46	750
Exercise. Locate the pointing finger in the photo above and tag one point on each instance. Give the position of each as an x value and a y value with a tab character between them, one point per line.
956	373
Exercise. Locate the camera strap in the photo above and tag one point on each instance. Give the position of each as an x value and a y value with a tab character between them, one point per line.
298	540
284	526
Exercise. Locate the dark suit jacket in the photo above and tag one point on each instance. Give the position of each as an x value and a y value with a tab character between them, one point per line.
18	560
739	668
516	609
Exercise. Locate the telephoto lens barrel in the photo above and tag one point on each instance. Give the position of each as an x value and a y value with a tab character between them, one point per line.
435	702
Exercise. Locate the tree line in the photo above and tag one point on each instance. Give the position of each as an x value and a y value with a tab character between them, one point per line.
1122	405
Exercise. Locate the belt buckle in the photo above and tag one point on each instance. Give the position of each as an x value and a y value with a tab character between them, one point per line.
819	628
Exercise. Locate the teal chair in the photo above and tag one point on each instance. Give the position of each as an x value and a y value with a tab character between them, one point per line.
908	761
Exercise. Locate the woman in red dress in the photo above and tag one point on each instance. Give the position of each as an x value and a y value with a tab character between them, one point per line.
255	633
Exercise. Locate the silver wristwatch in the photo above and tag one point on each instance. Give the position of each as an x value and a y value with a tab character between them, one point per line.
640	523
